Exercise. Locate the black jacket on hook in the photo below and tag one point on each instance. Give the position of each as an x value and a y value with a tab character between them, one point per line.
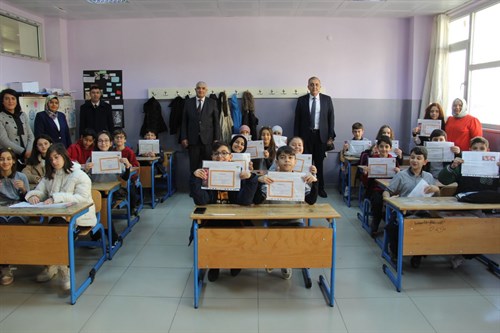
152	117
176	107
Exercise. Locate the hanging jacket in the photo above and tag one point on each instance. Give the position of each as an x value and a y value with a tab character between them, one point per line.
248	113
235	113
226	121
153	118
175	121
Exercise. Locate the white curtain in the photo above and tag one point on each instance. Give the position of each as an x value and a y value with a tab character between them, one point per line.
436	78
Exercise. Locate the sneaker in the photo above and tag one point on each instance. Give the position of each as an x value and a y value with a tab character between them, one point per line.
235	271
346	191
6	276
47	274
269	270
64	277
456	261
213	274
286	273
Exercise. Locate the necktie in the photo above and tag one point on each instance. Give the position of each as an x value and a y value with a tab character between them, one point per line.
199	106
95	106
313	113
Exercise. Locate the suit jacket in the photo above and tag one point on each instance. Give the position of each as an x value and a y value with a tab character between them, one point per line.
98	119
45	125
204	126
302	125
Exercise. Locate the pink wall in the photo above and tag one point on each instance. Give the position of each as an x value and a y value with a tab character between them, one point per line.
355	58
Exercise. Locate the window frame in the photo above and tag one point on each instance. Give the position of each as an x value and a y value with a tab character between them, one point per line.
467	46
39	35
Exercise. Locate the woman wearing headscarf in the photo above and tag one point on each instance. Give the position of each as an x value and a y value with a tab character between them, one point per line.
461	127
53	123
15	132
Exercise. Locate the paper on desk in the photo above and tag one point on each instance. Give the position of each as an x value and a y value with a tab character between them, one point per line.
25	204
419	190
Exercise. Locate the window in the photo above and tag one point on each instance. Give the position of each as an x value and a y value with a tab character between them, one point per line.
19	36
474	63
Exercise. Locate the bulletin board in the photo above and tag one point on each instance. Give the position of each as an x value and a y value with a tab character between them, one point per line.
111	84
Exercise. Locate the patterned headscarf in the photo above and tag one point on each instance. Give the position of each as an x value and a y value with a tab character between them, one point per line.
51	114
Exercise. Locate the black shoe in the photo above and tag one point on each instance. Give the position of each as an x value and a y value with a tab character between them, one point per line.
213	274
235	271
322	193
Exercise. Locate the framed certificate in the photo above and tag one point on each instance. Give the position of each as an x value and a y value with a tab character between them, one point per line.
428	125
286	186
222	176
255	149
106	162
380	167
303	164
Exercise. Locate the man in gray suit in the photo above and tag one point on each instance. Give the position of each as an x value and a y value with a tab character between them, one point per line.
314	123
200	126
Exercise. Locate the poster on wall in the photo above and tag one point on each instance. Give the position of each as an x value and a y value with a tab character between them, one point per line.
111	84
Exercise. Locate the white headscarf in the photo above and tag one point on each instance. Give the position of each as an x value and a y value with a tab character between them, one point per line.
464	111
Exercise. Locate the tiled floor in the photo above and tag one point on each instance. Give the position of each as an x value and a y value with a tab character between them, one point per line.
148	287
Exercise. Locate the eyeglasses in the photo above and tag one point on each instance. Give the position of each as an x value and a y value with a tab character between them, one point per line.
221	153
103	141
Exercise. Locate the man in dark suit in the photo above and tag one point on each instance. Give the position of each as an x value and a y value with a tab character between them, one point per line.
200	126
95	113
314	123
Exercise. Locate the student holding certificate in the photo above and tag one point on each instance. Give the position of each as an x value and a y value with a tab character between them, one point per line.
64	182
104	144
266	135
285	159
373	191
152	134
222	153
484	187
432	112
434	167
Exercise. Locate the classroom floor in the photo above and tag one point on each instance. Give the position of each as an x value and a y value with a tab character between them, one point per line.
148	287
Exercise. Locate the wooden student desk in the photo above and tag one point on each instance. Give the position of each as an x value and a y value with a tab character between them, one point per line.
439	236
44	244
264	247
107	190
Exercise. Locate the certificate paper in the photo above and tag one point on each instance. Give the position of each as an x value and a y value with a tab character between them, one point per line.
243	160
222	176
279	140
356	147
286	186
381	167
106	162
304	162
428	125
480	164
395	145
419	190
439	151
149	146
255	149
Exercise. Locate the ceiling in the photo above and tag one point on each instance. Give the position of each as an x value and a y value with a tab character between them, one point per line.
81	9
